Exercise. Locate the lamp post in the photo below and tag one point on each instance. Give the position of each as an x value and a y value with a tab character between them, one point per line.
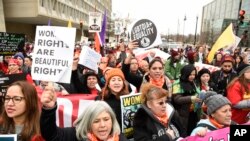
185	18
195	30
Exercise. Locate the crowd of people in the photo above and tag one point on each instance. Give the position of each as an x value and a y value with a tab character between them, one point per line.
178	100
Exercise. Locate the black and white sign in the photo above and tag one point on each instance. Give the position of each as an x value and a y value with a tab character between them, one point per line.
144	32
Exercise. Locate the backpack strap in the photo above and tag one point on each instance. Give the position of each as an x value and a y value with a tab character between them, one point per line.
211	128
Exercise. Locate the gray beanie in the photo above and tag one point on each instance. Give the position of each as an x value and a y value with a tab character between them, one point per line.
214	101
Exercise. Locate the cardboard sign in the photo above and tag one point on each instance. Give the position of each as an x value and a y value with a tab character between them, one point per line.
95	20
90	58
118	28
53	53
10	43
145	33
129	105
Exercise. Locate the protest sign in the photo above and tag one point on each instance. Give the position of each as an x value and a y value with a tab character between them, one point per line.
217	135
53	53
10	43
90	58
200	66
6	80
118	28
129	105
145	32
8	137
141	53
95	20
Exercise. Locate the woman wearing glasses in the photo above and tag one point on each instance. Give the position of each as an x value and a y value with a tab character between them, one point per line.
21	112
156	119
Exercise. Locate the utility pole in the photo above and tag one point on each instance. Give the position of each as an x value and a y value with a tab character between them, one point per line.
185	18
195	30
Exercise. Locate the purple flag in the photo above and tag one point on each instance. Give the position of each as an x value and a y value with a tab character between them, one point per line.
49	22
103	31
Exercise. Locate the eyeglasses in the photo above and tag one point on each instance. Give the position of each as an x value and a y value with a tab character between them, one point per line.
15	99
162	102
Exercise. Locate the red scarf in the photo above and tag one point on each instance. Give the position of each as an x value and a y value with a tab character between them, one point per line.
159	83
215	123
163	119
92	137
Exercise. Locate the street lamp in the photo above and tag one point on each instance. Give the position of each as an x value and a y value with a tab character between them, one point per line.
195	30
185	18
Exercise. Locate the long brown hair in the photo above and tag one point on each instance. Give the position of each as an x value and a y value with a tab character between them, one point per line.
106	91
31	125
243	81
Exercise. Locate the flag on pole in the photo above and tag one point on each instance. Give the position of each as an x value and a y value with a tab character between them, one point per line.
227	38
100	37
49	22
69	23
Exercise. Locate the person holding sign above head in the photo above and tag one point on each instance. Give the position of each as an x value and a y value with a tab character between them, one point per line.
156	119
96	123
155	75
219	114
21	112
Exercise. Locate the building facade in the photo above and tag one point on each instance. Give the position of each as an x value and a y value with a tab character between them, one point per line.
218	14
22	16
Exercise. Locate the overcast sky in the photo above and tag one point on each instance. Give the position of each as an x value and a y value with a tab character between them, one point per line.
164	13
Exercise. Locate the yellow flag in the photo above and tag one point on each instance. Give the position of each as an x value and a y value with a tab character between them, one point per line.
69	23
225	39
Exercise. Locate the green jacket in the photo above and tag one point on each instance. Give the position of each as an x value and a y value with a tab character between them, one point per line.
172	72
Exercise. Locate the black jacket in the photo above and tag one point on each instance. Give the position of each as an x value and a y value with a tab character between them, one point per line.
51	132
148	128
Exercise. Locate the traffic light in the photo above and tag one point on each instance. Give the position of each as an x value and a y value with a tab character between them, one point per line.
241	17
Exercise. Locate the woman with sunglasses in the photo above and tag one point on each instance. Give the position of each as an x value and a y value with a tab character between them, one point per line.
156	119
21	112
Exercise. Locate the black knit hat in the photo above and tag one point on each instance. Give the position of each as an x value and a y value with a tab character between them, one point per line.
242	69
203	71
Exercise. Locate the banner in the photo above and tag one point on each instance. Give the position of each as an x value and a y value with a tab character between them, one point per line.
53	54
129	105
10	43
200	66
141	53
145	32
89	58
95	20
217	135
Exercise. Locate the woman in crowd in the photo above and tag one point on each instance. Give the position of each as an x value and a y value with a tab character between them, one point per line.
21	112
155	75
217	60
156	119
14	68
115	87
238	92
219	114
185	95
203	80
96	123
238	62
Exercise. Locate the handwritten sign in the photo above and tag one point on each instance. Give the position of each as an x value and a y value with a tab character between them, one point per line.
10	43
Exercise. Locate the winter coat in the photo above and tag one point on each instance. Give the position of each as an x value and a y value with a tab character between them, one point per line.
51	132
148	128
